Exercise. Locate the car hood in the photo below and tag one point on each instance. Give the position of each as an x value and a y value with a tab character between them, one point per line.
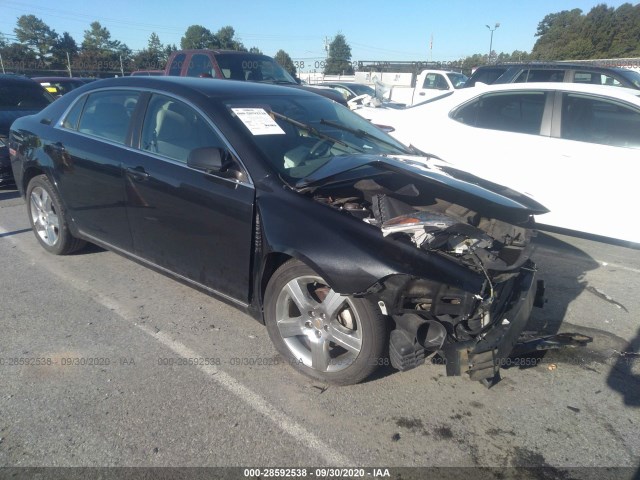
430	171
7	117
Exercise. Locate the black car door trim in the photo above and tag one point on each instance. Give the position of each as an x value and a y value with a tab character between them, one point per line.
137	258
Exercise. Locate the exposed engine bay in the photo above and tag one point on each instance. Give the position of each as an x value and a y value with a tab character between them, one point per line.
433	224
428	313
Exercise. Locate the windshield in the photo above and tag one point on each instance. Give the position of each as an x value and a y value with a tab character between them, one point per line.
253	68
300	134
457	79
632	76
23	96
362	89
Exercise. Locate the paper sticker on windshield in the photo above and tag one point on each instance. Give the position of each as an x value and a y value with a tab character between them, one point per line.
258	121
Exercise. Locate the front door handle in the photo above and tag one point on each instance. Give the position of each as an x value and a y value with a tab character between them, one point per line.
138	173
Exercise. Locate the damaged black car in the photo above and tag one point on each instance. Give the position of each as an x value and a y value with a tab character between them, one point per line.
355	250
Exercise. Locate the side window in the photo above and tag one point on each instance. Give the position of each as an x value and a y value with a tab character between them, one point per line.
593	120
519	112
541	75
176	65
71	120
595	79
344	92
173	129
108	114
200	65
434	81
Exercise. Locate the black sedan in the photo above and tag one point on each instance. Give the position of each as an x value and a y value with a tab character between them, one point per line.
19	96
353	250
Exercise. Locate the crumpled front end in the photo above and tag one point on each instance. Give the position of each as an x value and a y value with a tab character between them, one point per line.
471	326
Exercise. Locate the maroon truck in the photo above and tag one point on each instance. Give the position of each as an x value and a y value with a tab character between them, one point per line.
235	65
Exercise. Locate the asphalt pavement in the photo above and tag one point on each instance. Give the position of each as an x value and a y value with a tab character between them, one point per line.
106	363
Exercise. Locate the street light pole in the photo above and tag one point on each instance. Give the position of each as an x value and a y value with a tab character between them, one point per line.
491	41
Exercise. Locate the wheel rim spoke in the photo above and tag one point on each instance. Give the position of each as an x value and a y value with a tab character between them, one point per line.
320	355
46	201
332	303
35	204
51	234
291	327
302	301
345	340
53	220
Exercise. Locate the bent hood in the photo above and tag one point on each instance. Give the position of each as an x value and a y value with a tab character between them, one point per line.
433	172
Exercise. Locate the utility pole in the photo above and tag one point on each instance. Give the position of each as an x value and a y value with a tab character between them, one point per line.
69	65
1	63
491	41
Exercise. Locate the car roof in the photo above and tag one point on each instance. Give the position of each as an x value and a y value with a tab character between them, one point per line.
16	79
56	79
210	87
551	65
462	95
218	51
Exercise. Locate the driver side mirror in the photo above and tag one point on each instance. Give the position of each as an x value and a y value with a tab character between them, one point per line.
209	159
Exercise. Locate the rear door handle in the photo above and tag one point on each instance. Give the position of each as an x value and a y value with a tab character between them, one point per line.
137	173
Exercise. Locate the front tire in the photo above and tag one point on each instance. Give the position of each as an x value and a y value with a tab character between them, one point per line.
334	338
48	218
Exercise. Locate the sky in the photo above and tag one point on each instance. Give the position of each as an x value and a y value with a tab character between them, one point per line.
375	30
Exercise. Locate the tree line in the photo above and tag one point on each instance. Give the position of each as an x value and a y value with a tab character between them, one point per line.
603	32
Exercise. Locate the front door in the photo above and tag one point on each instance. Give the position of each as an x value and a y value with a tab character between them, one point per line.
198	225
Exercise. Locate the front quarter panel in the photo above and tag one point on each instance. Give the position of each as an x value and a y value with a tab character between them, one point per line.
348	253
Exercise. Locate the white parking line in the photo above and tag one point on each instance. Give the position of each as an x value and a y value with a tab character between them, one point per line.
616	266
252	399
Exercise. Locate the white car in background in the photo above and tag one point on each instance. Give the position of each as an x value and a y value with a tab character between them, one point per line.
574	148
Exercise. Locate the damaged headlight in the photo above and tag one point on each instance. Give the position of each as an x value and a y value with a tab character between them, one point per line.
431	230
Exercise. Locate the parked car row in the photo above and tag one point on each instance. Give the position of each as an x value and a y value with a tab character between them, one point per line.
19	96
573	147
346	242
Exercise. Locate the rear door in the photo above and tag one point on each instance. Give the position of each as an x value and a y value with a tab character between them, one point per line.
597	140
198	225
90	148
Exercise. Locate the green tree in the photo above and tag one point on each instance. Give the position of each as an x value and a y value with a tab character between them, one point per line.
197	37
63	46
626	39
226	39
17	58
600	28
101	54
285	61
339	59
255	50
36	34
153	57
560	36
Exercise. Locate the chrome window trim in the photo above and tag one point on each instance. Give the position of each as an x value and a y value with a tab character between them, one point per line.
60	121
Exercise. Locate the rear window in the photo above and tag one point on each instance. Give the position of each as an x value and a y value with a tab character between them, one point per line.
540	75
253	68
631	75
485	75
23	95
595	78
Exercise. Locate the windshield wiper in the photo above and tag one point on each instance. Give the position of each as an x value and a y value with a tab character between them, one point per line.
314	131
360	133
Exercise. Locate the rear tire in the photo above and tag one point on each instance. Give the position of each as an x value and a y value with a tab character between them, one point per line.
334	338
48	218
